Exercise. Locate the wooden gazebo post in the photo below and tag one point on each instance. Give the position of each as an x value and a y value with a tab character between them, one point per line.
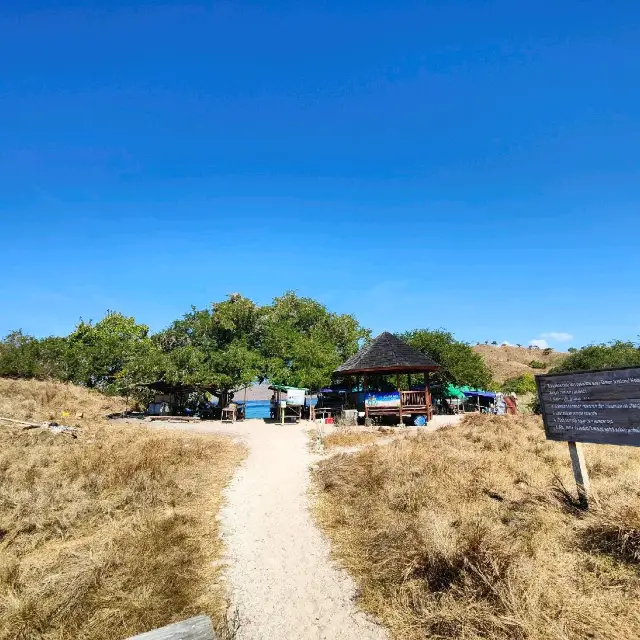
364	393
427	396
400	394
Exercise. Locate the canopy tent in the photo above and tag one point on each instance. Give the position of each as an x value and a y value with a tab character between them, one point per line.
451	391
289	401
284	387
474	393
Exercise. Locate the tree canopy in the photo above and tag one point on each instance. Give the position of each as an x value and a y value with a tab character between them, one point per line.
229	345
303	343
601	356
524	383
461	365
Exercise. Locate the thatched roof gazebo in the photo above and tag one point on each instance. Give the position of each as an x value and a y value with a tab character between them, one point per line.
387	355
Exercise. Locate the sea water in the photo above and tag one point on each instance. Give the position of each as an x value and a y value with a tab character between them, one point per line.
257	409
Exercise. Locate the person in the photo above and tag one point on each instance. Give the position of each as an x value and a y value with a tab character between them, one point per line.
272	407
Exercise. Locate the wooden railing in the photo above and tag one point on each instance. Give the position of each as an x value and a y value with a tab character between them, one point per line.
413	399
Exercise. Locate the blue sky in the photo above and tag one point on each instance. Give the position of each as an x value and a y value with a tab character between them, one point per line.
468	165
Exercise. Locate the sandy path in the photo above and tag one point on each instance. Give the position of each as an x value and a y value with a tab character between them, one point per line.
282	580
281	576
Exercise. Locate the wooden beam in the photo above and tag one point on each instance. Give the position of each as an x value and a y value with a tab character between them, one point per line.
364	390
580	472
400	394
198	628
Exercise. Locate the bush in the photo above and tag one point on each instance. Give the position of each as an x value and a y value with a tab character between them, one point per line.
601	356
524	383
536	364
460	364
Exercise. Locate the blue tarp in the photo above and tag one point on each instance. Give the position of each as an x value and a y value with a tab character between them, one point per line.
482	394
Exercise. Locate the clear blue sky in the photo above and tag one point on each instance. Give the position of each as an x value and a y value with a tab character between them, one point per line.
468	165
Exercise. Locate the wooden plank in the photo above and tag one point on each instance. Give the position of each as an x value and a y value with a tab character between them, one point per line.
198	628
580	472
33	425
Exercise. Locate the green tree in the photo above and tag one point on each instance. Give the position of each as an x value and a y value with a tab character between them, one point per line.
521	384
460	364
98	353
216	348
303	343
19	356
601	356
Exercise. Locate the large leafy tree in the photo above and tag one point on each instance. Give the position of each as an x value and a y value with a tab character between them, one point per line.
19	355
215	348
24	356
302	342
601	356
461	365
98	353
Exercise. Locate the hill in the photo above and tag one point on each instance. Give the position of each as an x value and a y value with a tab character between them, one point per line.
508	362
39	400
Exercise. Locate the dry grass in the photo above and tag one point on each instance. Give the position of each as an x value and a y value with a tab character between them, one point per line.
349	438
508	362
39	400
110	534
471	532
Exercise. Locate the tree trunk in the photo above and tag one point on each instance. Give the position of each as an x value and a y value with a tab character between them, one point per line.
223	398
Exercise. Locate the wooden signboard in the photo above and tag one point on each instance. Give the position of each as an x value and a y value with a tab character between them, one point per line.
601	407
592	406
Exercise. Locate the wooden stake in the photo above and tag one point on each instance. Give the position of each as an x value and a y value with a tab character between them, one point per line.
580	472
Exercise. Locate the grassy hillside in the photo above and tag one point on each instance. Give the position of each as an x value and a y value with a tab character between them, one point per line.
36	400
508	362
109	534
472	532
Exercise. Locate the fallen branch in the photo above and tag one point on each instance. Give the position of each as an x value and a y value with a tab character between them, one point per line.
52	426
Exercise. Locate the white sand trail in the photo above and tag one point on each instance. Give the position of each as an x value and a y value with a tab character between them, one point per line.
282	579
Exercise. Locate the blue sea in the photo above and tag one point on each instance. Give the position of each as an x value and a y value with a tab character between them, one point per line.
257	409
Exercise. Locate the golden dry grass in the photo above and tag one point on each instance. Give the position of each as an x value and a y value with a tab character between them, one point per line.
349	438
109	534
37	400
508	362
471	532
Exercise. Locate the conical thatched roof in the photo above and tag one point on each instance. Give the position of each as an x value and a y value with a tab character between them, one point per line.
387	354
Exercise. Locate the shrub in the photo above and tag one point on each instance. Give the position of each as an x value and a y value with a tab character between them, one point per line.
602	356
524	383
536	364
460	364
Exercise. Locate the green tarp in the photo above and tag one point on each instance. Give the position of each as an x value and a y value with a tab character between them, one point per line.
454	392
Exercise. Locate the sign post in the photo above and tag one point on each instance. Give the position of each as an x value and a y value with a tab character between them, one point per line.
601	407
580	472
